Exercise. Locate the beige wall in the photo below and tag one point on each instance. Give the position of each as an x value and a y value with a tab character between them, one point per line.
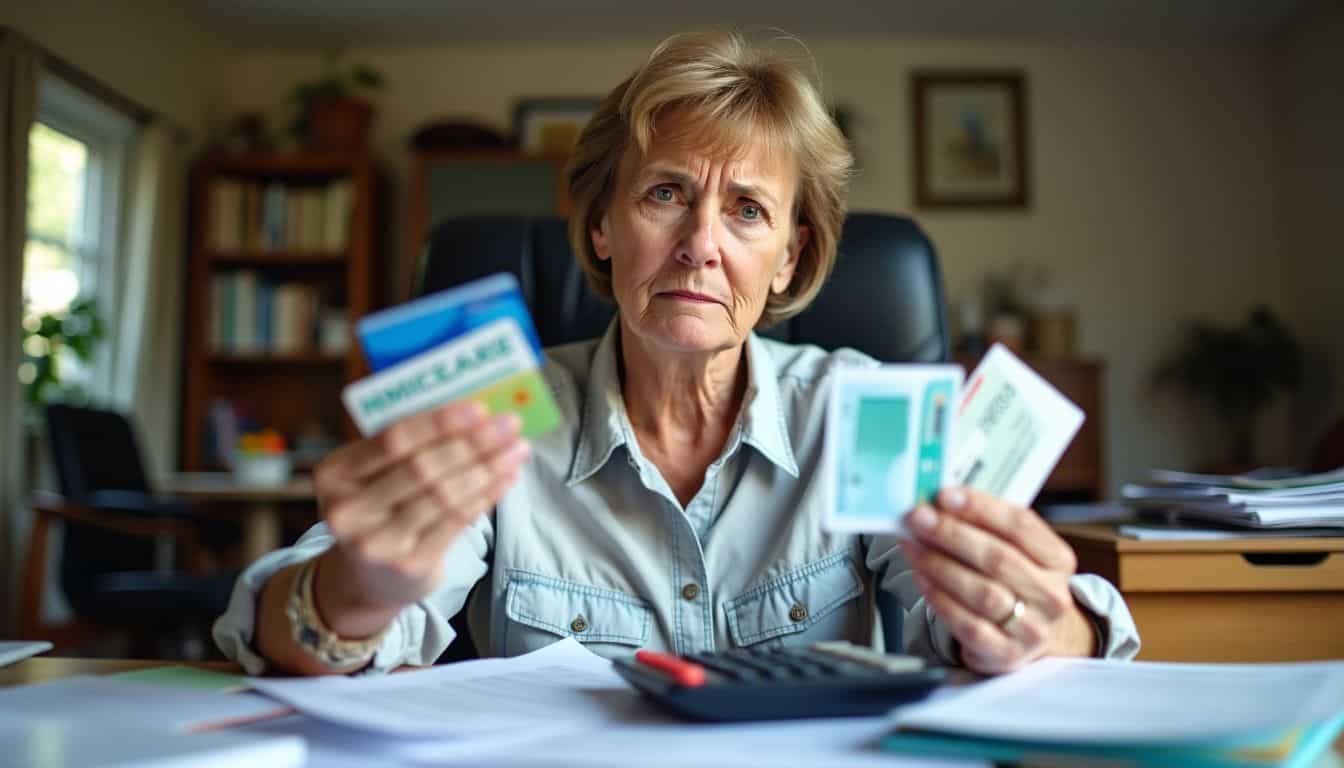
1153	190
1309	80
153	51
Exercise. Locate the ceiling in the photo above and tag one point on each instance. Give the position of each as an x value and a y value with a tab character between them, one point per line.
363	23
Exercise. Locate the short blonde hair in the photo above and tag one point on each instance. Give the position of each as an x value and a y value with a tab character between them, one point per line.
739	93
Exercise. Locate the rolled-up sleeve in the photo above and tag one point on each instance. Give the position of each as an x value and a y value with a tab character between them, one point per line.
925	634
418	635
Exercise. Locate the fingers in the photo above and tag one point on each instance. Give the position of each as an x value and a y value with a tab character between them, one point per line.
442	462
985	647
994	558
351	465
1020	526
460	497
990	601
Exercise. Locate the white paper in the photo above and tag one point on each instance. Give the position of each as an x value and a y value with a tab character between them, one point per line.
560	686
1095	702
838	743
12	651
1011	428
78	743
835	743
1158	533
104	702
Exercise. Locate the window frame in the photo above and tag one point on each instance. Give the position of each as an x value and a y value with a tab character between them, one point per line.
97	243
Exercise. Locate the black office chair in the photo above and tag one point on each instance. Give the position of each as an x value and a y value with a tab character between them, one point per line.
112	523
884	298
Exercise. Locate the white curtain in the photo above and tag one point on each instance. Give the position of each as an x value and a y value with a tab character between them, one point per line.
147	339
18	102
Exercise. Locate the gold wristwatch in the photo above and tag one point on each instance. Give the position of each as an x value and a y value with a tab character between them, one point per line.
318	639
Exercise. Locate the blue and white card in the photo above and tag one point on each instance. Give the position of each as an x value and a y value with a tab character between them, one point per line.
473	341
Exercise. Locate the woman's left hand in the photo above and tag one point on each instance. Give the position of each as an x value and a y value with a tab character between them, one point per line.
975	557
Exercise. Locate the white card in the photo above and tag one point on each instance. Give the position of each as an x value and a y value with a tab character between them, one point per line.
1011	428
888	443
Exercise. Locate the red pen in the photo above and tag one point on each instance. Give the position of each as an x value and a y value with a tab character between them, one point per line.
681	671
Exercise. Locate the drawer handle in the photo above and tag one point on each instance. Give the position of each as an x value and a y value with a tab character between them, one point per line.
1307	559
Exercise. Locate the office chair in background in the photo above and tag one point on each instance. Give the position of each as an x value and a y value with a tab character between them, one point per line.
113	523
884	298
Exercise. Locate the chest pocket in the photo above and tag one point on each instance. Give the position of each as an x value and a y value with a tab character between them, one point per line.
541	608
805	602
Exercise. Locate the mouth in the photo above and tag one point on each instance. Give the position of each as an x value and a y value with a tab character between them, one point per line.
690	296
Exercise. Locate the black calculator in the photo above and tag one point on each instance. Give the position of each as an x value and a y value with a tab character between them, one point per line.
833	679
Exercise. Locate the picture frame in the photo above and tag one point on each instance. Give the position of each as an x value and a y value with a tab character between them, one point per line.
969	139
550	127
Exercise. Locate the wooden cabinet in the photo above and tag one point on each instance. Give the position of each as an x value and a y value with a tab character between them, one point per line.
280	265
1080	474
1237	600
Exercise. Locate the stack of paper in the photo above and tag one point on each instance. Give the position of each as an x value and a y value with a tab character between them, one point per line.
1248	501
1138	713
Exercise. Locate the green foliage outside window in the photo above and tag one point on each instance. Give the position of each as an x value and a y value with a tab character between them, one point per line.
49	341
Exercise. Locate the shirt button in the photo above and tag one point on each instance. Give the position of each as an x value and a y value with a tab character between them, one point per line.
690	591
797	612
579	624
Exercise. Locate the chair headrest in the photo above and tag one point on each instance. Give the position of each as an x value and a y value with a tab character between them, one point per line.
884	297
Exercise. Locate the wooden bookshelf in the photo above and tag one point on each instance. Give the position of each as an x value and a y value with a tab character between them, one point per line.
296	384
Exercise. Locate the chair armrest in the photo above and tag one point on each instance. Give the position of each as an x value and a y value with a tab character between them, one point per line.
140	504
49	504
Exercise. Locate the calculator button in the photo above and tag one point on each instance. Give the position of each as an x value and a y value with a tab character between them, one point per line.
869	658
690	591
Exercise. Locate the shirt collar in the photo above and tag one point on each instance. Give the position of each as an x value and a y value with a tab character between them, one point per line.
605	427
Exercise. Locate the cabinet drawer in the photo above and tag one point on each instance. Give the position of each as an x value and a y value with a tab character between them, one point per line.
1231	571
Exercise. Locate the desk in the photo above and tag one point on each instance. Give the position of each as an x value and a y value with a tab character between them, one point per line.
1234	600
40	669
262	504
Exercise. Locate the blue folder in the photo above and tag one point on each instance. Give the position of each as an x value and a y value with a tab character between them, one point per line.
1296	748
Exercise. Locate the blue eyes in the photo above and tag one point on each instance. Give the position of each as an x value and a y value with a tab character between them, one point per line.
748	211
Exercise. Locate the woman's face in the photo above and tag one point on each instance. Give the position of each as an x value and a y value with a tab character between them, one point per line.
697	243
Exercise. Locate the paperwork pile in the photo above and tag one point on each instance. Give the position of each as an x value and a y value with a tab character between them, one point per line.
1135	713
1245	501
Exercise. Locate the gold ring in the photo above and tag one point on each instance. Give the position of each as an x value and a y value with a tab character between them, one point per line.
1019	608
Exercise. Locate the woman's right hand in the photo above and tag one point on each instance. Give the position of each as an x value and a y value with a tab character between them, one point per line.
395	502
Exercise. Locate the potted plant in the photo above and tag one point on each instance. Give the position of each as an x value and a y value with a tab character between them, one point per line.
1238	371
331	116
47	337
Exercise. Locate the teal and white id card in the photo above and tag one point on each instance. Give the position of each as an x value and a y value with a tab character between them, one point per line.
887	447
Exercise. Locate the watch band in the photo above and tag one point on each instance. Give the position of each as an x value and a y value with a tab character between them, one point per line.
318	639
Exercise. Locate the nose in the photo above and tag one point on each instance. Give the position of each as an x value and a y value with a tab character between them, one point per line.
699	247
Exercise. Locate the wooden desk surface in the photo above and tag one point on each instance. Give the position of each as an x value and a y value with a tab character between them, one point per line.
1104	534
42	668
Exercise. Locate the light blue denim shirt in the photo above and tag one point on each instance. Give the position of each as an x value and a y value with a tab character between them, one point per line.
592	543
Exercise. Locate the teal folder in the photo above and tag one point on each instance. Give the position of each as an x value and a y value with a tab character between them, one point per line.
1295	748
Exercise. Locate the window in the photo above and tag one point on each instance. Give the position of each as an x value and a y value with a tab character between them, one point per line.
77	152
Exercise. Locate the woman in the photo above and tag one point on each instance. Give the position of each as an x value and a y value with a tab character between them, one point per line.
679	506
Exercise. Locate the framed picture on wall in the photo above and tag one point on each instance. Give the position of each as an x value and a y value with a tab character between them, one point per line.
969	139
551	126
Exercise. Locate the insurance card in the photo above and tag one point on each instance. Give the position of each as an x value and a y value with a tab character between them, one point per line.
472	341
888	433
1011	428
